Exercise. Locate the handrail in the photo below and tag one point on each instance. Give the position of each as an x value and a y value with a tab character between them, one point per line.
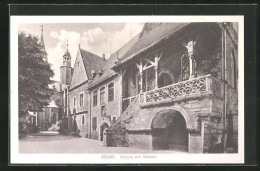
129	98
119	118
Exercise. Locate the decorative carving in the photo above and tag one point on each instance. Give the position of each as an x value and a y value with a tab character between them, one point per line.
184	88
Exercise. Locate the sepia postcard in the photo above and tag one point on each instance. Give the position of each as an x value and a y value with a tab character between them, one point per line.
126	89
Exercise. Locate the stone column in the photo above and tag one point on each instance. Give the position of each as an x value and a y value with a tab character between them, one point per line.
189	47
121	92
141	76
156	71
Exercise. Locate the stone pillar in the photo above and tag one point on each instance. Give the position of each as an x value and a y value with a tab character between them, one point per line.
156	71
141	80
189	47
121	92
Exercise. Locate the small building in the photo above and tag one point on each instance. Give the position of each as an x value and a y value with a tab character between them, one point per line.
48	116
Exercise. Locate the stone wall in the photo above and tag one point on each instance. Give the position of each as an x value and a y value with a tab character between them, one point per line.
112	108
80	110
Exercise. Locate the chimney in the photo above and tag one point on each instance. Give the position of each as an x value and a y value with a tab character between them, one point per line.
103	56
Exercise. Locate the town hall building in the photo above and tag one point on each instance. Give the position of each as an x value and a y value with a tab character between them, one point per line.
172	87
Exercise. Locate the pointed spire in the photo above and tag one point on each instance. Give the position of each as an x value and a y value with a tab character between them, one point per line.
42	43
41	39
67	45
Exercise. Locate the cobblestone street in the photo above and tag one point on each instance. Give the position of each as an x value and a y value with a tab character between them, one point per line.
69	144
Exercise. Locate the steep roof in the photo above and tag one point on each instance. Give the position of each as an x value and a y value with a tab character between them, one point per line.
151	37
91	62
108	72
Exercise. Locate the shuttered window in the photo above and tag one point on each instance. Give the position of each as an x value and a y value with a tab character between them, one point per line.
111	92
102	95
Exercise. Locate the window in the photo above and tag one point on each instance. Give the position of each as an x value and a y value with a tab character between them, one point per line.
81	102
94	123
83	120
185	68
102	94
94	98
111	92
74	101
103	110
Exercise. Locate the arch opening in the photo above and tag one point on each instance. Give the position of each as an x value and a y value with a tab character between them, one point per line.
169	131
102	128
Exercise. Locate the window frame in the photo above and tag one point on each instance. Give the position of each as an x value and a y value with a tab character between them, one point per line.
82	93
74	101
94	96
102	92
111	85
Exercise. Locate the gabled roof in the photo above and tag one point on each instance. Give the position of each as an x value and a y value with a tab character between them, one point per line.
150	38
91	62
108	72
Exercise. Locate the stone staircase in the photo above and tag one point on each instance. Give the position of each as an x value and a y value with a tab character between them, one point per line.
116	133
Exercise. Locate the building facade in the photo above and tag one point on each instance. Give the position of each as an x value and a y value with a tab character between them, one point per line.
172	87
181	80
86	64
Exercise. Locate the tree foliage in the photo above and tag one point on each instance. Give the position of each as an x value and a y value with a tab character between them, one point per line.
34	74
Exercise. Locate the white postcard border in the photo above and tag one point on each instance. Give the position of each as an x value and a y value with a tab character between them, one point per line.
17	158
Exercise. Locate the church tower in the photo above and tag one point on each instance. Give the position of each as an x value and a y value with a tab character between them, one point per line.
66	69
42	43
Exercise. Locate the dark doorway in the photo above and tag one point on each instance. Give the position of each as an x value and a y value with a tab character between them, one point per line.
169	131
102	128
54	118
164	80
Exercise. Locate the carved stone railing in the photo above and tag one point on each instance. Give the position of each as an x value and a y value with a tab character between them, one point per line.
199	85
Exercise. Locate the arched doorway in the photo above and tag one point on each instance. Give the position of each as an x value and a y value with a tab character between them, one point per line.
165	79
103	126
169	131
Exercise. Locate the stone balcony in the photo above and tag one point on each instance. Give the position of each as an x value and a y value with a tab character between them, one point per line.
185	90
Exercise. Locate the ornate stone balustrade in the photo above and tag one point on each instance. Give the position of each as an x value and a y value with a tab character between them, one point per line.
200	85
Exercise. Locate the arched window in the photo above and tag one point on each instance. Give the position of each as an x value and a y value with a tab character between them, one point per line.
102	95
111	92
185	68
95	98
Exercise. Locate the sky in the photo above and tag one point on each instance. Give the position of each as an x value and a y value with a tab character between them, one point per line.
98	38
